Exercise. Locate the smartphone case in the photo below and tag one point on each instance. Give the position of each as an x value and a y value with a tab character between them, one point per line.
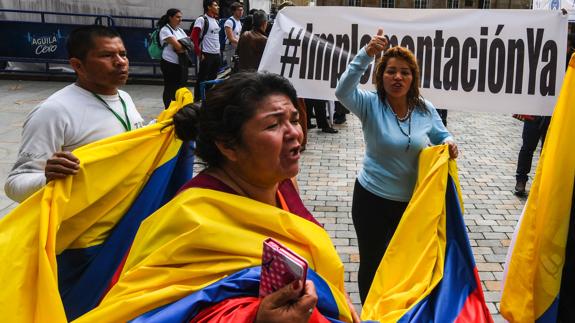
280	267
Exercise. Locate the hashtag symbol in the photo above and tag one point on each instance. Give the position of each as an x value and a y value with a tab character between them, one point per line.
289	43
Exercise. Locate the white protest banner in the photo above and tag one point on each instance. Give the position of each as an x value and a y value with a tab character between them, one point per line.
568	5
507	61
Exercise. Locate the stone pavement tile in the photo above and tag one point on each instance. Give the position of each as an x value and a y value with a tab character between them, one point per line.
486	276
489	267
492	296
500	258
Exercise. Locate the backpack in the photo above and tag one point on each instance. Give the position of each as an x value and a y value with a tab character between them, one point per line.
204	29
155	48
223	36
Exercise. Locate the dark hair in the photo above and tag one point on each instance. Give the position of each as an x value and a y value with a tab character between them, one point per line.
208	3
165	19
247	23
81	40
235	6
414	100
228	106
259	18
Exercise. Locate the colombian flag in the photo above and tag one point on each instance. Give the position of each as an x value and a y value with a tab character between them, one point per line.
428	272
204	247
541	259
61	247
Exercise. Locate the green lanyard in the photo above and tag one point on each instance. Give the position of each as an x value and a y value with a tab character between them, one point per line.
125	123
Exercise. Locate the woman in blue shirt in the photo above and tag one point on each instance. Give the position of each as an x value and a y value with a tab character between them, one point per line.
397	124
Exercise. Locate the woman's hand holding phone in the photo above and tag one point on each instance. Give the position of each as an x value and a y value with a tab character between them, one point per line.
288	304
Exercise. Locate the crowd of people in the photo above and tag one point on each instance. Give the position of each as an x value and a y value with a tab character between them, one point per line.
249	132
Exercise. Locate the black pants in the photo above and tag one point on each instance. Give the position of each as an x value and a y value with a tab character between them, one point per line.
209	67
340	112
317	107
375	220
533	131
443	115
175	77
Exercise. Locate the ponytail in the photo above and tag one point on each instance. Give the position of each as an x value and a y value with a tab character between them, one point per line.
165	19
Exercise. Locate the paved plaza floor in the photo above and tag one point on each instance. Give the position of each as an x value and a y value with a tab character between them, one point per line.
488	144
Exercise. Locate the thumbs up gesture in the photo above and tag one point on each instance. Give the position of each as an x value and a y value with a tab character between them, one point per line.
377	43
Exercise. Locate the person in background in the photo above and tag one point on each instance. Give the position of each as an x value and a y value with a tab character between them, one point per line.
206	39
174	71
88	110
272	18
233	27
397	125
534	131
339	116
226	8
247	24
253	42
443	115
317	108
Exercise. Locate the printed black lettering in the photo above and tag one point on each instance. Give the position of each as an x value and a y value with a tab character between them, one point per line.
438	45
548	72
365	77
482	68
306	37
515	58
468	76
451	69
533	51
424	53
496	70
311	64
408	43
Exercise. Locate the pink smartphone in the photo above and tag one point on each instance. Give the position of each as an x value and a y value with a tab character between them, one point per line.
280	267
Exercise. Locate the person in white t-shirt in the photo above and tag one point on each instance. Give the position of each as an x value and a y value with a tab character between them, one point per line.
206	38
174	71
91	109
233	27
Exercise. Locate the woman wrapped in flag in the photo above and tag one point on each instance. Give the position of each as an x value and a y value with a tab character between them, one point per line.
198	258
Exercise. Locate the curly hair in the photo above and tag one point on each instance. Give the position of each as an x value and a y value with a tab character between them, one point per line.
414	99
228	106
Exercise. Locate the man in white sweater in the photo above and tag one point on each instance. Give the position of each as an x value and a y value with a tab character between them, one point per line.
91	109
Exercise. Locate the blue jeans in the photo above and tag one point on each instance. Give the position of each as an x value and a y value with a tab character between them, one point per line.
533	131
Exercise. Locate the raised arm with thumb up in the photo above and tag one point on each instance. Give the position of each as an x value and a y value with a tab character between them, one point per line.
377	43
